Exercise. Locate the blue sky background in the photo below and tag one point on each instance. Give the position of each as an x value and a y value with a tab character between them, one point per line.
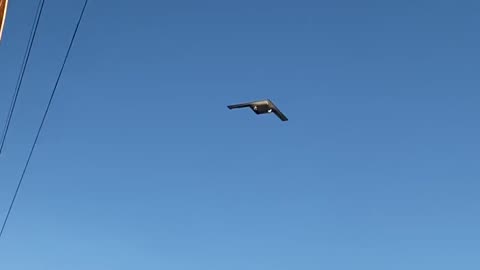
142	166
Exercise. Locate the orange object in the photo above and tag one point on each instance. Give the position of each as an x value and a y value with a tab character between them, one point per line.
3	14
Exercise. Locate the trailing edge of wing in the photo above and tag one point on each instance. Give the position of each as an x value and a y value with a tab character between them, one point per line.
238	106
280	115
277	112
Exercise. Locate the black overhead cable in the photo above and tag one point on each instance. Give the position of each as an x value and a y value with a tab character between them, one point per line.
43	119
26	57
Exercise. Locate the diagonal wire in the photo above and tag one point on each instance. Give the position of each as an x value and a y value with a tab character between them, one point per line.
26	57
43	119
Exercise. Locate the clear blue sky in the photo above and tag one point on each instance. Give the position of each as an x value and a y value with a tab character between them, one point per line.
142	166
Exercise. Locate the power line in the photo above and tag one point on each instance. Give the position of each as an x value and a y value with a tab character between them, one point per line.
43	119
26	57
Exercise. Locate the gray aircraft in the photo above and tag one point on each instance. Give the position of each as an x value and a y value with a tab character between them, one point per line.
261	107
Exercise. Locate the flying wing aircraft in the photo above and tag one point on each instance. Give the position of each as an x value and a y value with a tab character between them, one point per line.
261	107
